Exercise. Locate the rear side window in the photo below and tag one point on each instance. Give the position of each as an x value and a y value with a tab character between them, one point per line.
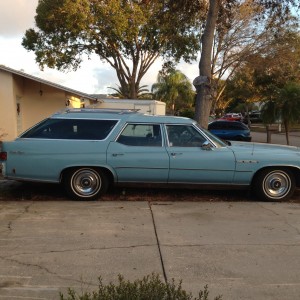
217	125
227	126
71	129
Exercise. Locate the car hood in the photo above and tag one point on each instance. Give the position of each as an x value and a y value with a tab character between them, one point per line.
243	150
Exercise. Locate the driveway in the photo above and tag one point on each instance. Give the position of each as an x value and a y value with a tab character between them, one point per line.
243	250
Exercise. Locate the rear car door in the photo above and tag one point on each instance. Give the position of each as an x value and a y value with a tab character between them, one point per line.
139	155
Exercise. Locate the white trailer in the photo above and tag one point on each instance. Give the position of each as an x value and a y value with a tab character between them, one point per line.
150	107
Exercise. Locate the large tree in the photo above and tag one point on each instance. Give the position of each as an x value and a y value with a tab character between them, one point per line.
278	65
236	40
218	16
285	107
128	34
242	89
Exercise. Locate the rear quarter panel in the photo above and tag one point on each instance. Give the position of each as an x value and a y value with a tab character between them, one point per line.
44	160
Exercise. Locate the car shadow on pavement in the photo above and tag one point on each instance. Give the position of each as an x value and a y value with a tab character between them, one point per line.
18	191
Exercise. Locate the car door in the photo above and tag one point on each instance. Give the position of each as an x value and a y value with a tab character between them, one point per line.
192	163
138	154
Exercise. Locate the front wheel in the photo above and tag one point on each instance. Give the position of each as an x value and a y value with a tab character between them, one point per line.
85	183
274	184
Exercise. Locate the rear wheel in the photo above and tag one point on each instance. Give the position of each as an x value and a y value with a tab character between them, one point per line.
274	184
85	183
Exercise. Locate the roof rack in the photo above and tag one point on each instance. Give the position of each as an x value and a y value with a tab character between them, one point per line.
102	110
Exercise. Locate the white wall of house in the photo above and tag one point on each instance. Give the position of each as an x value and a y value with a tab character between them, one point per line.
8	121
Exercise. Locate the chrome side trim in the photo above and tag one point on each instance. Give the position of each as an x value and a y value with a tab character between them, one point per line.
245	161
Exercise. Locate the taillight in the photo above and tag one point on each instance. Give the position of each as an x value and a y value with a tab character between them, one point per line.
3	155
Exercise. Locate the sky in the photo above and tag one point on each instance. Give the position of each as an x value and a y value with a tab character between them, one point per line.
93	77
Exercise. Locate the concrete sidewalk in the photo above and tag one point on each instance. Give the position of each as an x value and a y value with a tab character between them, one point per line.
243	250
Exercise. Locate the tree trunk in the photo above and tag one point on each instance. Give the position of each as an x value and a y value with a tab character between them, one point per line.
286	126
203	82
248	116
133	92
269	134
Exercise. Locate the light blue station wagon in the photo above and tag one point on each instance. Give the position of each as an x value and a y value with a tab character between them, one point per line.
88	150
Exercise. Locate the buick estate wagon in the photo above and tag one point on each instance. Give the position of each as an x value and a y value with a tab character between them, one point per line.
89	150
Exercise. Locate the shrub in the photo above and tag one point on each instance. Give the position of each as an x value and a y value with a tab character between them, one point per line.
148	288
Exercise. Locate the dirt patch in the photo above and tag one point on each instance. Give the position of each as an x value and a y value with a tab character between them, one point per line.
13	190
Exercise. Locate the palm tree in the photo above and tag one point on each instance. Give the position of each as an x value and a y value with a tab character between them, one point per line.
174	88
284	106
270	113
290	106
124	93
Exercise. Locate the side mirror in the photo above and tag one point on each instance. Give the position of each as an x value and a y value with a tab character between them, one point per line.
206	146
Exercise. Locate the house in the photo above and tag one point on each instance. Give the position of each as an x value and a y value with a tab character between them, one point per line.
26	100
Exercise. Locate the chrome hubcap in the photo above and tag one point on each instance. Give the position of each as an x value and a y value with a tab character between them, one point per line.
86	182
277	184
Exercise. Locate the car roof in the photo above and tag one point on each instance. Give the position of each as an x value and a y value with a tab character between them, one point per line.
126	115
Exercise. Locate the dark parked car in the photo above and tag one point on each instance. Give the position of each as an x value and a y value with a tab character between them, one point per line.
230	130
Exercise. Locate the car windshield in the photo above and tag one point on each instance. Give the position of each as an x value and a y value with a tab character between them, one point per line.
218	142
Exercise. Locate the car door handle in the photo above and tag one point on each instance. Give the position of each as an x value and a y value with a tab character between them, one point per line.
176	153
117	154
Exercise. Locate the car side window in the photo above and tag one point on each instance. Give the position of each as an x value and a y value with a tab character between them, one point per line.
184	136
71	129
141	135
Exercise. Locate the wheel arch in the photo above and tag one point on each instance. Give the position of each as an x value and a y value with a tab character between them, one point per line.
295	170
111	176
